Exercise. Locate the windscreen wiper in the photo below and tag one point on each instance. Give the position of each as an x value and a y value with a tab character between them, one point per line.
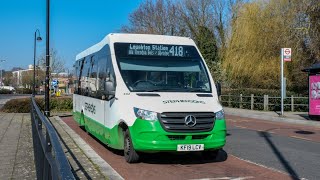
157	90
196	90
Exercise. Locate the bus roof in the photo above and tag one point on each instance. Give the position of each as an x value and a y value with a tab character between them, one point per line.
135	38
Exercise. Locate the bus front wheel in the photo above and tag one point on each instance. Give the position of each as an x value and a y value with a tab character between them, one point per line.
130	155
211	154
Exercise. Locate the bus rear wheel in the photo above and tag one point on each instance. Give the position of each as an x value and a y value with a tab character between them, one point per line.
130	155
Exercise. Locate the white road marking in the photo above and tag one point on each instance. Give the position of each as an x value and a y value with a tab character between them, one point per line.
227	178
241	127
301	138
270	168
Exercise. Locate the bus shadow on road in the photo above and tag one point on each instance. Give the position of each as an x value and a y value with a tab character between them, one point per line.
182	158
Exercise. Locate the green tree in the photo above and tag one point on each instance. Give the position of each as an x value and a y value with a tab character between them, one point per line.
207	44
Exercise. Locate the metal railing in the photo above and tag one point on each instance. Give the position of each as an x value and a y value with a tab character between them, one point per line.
50	159
265	102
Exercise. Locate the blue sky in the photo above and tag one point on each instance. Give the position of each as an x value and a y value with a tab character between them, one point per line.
75	26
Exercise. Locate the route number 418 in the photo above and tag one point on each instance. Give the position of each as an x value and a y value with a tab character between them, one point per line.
176	51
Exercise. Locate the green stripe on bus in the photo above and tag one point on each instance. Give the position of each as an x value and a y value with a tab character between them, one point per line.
149	136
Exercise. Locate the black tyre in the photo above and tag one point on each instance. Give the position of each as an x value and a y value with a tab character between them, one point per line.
130	155
212	154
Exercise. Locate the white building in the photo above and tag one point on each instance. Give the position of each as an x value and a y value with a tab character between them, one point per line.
17	75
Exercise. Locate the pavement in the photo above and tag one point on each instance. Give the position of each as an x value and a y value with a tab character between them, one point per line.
301	118
17	155
84	161
16	148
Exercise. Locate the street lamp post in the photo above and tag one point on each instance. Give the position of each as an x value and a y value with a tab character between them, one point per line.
46	94
1	71
36	38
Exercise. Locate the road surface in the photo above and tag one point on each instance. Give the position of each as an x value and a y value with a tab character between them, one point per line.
255	149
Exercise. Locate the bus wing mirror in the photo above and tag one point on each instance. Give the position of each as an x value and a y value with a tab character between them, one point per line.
110	89
218	86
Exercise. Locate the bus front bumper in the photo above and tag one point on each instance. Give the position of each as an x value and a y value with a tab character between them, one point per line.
149	136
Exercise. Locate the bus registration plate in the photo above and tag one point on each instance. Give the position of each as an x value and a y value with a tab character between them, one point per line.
190	147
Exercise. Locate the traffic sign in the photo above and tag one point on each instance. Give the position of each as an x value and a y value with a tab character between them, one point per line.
286	53
54	82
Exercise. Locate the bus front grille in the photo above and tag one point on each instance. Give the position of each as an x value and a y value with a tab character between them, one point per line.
175	121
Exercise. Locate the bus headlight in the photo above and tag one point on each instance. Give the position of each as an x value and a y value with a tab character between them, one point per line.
220	114
145	114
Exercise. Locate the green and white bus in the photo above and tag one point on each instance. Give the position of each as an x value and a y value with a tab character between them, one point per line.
148	93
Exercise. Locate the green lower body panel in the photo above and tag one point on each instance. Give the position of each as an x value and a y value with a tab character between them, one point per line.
150	136
111	137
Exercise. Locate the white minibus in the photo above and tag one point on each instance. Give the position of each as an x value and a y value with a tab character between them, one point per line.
148	93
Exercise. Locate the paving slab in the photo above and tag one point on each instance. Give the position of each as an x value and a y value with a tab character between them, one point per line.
16	148
81	164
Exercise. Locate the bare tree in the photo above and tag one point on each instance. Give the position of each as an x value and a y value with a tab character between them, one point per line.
27	78
153	17
8	78
196	14
202	20
57	65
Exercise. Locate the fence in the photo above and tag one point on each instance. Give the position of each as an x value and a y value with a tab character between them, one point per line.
266	103
50	159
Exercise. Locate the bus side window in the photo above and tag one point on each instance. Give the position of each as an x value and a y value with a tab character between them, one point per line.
110	76
102	74
110	71
93	77
84	77
79	76
75	77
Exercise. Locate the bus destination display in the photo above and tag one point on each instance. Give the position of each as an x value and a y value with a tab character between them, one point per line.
156	50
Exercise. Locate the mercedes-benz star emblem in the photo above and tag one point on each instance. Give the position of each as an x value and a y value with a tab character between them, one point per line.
190	121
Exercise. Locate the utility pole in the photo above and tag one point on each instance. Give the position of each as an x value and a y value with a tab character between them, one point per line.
47	101
36	38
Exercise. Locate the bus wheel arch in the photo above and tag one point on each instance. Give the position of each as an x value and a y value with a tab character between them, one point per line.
130	155
122	128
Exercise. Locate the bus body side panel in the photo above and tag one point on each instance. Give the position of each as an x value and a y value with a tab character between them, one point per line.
96	119
77	115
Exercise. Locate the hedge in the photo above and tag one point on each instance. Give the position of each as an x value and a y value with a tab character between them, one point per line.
23	105
5	91
23	91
